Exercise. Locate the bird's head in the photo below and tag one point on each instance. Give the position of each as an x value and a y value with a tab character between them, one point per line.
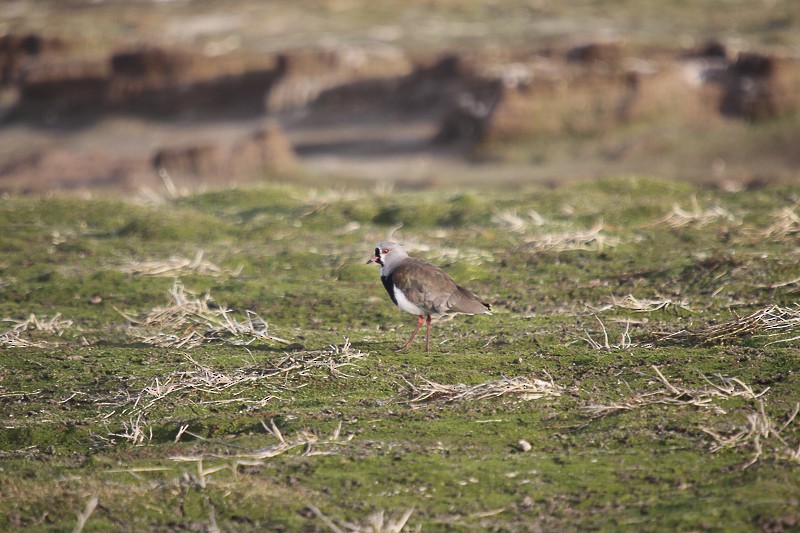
387	253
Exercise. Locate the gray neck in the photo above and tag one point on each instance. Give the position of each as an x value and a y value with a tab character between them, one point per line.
397	257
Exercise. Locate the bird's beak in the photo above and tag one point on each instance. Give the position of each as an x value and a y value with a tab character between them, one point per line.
373	259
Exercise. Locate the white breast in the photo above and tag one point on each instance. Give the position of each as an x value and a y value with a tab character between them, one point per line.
404	304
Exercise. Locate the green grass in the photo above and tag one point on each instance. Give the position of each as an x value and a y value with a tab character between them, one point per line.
295	256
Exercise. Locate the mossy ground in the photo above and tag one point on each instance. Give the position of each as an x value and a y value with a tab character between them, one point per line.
556	263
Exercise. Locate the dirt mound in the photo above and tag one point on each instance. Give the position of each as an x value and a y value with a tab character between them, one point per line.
50	91
596	53
266	150
302	76
18	50
594	87
149	81
44	171
152	63
758	86
159	82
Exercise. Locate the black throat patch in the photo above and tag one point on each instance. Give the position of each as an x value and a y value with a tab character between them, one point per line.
388	284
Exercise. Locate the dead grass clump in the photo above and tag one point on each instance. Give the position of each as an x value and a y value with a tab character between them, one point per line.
780	324
177	265
757	433
190	321
781	284
317	200
309	441
518	223
786	224
209	382
594	240
451	254
523	387
625	341
650	305
13	338
697	216
668	393
202	385
760	433
136	430
377	522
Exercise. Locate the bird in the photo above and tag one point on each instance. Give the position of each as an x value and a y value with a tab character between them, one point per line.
423	289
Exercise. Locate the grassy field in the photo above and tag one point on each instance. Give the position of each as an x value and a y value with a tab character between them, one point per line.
226	362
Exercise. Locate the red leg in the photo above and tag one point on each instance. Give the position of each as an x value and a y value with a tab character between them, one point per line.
420	319
428	334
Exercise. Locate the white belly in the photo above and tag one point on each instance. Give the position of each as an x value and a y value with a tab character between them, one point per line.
404	304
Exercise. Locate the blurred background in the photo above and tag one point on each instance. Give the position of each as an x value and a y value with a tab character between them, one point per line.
177	96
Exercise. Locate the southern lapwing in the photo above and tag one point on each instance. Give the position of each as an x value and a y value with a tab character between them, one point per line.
423	289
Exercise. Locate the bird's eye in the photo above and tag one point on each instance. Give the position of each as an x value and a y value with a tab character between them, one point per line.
385	251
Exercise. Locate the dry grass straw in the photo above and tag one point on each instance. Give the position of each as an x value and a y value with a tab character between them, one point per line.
377	522
136	430
594	240
13	338
697	216
177	265
202	385
649	305
786	224
780	284
83	516
439	253
625	342
189	321
308	441
668	393
518	223
779	324
317	200
785	227
758	432
526	388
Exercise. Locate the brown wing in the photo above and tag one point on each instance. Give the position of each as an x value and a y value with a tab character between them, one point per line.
463	301
425	285
433	290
